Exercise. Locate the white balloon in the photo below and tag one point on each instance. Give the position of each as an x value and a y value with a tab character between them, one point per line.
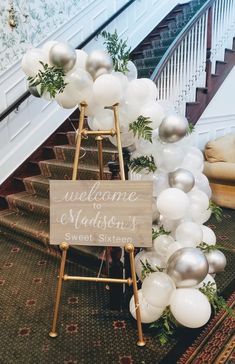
78	80
138	91
162	243
157	289
30	61
80	59
189	234
168	107
152	88
202	183
208	236
107	90
131	109
190	307
173	203
65	99
138	265
127	139
122	79
46	49
170	158
206	280
160	182
103	120
154	259
154	111
132	72
193	160
199	198
198	215
148	313
172	249
143	146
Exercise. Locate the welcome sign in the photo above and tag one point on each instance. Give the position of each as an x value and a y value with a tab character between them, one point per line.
101	213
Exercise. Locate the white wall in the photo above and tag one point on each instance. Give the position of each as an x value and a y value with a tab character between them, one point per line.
219	117
23	131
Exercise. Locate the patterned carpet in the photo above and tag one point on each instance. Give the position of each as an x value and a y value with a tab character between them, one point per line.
88	331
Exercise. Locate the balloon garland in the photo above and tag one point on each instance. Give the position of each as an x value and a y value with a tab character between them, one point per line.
176	273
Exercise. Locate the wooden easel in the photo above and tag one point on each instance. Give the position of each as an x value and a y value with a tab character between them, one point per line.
129	248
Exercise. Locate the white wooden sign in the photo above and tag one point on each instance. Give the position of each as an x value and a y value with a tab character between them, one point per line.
101	213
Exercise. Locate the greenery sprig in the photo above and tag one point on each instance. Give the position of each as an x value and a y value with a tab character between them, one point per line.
143	162
165	326
206	248
191	129
160	231
216	211
50	79
217	302
147	269
141	128
118	50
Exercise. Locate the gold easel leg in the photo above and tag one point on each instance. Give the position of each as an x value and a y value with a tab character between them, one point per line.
130	249
99	140
78	142
64	247
119	144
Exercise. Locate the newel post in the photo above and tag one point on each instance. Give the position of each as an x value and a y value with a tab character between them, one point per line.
208	48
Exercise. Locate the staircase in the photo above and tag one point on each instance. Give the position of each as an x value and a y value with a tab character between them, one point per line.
175	55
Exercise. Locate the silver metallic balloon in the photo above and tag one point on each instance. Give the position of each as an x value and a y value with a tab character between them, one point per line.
34	91
62	55
98	63
181	178
216	260
187	267
172	128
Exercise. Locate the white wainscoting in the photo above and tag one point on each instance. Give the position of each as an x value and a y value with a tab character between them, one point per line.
25	130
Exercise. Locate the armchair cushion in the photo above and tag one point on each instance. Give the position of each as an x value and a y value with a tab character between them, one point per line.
221	150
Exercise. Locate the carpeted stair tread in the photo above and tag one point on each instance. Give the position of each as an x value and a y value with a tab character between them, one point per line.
16	225
31	204
55	169
32	227
37	185
87	142
90	154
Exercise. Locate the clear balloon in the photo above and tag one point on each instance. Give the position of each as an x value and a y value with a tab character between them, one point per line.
162	243
170	158
103	120
173	203
187	267
190	307
127	139
160	182
30	61
189	234
148	313
138	265
107	90
157	289
154	111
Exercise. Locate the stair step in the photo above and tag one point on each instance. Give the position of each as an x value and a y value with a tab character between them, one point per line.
37	185
18	227
29	204
55	169
90	141
90	154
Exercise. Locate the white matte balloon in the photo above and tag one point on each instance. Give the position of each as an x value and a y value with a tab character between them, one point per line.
160	182
122	79
132	71
173	203
157	289
199	198
208	279
162	243
208	236
172	249
190	307
80	59
189	234
30	61
138	91
65	99
202	183
107	90
193	160
170	158
103	120
152	88
198	215
148	313
154	111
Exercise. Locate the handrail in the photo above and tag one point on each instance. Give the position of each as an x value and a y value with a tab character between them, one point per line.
178	39
26	94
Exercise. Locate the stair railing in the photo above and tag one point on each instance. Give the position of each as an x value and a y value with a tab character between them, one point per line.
190	60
